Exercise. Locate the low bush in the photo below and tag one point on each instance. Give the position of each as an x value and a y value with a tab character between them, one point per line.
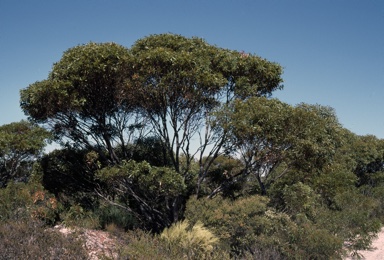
244	226
80	217
23	201
352	219
113	215
248	228
196	241
177	242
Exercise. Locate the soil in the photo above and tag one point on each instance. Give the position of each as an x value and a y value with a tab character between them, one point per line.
99	244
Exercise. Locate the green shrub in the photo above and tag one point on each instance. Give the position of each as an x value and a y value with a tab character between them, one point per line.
352	219
147	191
142	245
113	215
79	217
241	224
69	175
312	242
24	201
375	190
250	229
300	199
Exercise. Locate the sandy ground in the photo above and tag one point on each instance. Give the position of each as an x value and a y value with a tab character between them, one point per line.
377	252
99	244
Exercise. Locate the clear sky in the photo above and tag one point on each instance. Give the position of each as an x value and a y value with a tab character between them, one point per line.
332	51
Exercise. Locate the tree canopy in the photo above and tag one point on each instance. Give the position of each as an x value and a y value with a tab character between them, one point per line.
172	83
20	144
179	82
267	133
83	100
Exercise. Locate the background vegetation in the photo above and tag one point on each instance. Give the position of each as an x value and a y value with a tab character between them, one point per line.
177	146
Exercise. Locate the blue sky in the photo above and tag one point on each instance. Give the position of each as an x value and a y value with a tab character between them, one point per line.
332	51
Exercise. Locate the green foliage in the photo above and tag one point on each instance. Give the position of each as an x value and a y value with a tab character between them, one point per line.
69	174
330	202
180	81
247	226
85	80
19	201
118	217
150	149
82	100
143	190
142	245
156	181
239	224
129	118
221	170
300	199
368	155
376	192
77	216
97	95
312	242
353	219
207	67
334	179
267	134
20	144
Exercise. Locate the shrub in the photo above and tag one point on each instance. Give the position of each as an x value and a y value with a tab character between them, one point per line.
143	245
68	174
195	241
79	217
113	215
23	201
311	242
250	229
352	219
245	226
300	199
146	191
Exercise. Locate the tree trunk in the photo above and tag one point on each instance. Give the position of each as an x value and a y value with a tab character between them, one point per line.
261	184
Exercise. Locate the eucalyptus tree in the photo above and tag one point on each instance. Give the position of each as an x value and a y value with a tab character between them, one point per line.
367	153
20	144
94	94
179	82
273	138
83	100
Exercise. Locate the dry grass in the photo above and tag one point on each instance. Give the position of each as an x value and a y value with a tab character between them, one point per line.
31	240
197	237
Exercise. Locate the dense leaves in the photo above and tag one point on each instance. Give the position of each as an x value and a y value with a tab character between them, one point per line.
20	144
82	100
180	81
248	226
144	190
267	133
